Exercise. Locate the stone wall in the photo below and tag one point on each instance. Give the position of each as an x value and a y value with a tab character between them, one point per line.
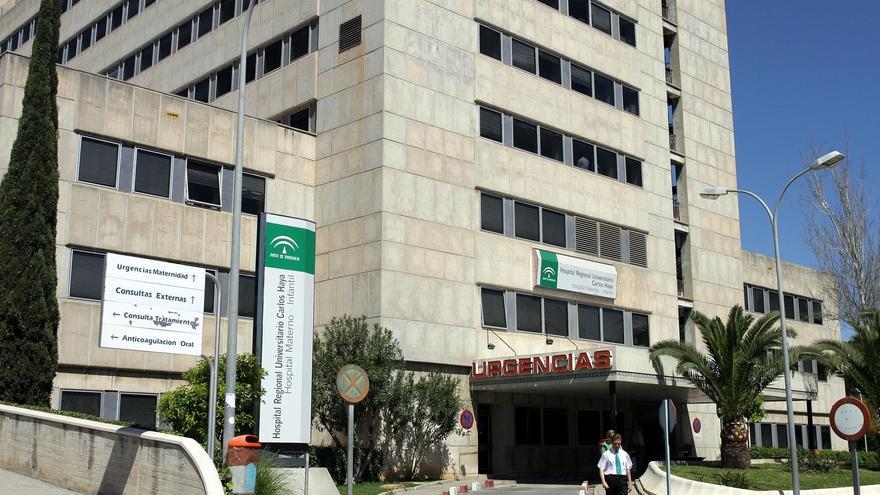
92	457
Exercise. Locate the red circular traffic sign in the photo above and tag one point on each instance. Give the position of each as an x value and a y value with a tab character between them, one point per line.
466	419
850	419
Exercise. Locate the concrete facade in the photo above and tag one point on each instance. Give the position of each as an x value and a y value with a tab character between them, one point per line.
394	174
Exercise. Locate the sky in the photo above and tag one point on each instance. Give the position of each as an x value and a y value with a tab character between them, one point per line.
803	72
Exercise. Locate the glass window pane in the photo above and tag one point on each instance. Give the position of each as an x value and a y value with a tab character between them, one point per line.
203	183
491	213
184	34
250	68
100	29
206	22
299	43
224	81
633	171
165	46
247	296
523	56
817	312
146	57
549	67
85	40
490	125
803	309
272	57
551	144
81	402
758	300
147	3
551	3
227	10
630	100
116	17
640	330
138	409
580	10
493	308
527	425
612	325
253	194
604	89
299	120
766	435
132	8
201	90
490	42
581	80
588	322
526	223
555	317
555	426
782	436
128	66
627	31
209	292
825	432
601	18
86	275
606	162
528	313
152	174
553	227
71	47
525	136
583	155
789	306
97	162
774	300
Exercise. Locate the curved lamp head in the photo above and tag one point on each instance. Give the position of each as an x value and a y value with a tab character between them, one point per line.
827	160
714	192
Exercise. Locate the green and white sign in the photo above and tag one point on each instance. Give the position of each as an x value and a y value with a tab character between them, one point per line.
557	271
286	316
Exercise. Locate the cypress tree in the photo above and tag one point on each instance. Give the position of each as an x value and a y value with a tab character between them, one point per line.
28	211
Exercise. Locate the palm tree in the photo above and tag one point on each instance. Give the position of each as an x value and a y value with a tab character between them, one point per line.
858	360
734	372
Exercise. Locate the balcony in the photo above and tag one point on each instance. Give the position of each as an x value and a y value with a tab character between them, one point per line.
673	139
681	289
676	209
669	75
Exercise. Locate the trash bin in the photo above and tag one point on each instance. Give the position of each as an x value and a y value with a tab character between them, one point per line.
242	457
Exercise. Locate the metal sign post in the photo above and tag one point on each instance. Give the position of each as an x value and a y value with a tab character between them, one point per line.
850	420
353	384
667	422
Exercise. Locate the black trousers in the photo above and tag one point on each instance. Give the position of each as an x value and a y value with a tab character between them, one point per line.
616	484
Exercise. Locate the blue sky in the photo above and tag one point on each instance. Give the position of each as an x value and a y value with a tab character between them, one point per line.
803	72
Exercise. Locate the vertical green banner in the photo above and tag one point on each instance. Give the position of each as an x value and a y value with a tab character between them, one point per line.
548	272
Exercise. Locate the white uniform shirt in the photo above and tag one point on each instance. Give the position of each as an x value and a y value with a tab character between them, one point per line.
608	464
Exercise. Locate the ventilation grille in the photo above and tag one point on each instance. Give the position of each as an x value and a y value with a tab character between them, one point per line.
349	34
609	241
638	250
586	236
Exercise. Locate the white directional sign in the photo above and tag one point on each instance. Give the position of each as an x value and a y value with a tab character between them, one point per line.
152	306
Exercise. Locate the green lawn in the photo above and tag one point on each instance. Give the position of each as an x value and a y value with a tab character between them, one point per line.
774	477
372	488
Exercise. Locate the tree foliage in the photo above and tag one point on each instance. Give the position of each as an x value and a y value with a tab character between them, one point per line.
401	416
734	371
28	211
185	408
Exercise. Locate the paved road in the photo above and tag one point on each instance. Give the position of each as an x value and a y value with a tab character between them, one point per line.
502	488
17	483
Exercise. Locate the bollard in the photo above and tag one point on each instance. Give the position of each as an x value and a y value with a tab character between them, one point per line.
242	457
453	490
463	489
475	486
489	484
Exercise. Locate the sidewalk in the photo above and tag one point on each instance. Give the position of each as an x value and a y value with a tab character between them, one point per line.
17	483
438	487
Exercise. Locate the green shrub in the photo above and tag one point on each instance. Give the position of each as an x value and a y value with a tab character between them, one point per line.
814	462
734	479
838	457
270	480
758	452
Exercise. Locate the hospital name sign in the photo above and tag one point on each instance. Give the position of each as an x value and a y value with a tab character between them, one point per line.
542	364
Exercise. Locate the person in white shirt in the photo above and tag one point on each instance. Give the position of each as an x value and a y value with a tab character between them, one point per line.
615	469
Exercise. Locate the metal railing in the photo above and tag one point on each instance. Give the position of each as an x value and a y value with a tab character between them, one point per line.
676	209
669	74
680	283
673	141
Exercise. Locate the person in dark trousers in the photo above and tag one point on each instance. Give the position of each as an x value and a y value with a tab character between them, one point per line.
615	469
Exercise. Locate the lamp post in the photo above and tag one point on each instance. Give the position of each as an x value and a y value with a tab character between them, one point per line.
235	247
824	162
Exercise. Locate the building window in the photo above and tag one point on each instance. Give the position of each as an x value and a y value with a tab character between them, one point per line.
224	82
589	327
523	56
552	227
527	425
184	34
766	435
98	162
490	125
774	300
528	313
490	42
825	434
152	173
555	426
203	183
803	309
491	213
633	171
209	292
299	44
584	155
138	409
606	162
630	100
580	10
272	57
205	22
788	301
601	18
581	80
782	436
817	312
555	317
527	221
81	402
589	427
627	30
604	89
640	330
253	194
551	3
796	307
551	145
549	67
165	44
525	136
86	275
247	295
758	300
227	10
612	326
494	314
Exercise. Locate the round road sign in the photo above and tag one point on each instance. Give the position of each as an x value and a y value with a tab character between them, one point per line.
850	419
466	419
352	383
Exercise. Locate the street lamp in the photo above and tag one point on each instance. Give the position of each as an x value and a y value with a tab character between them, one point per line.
823	162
